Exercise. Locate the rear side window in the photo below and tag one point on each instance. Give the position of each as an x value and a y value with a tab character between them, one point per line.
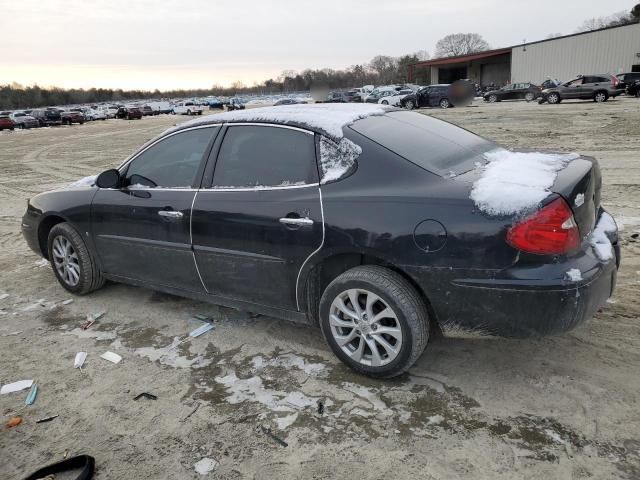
172	162
437	146
265	156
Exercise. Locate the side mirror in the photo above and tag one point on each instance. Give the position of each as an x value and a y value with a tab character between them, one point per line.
109	179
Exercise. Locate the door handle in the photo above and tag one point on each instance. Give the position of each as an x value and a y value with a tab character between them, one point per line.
170	214
296	221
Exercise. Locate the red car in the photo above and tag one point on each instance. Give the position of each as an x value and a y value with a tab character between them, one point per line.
6	122
72	117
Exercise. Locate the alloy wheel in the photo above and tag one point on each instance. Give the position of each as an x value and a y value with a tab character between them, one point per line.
365	327
493	98
65	261
600	97
444	103
529	97
409	105
553	98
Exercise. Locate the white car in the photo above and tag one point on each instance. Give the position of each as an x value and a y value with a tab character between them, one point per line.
187	108
393	98
94	114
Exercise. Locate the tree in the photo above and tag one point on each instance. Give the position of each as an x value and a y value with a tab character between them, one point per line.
635	13
553	35
615	20
386	68
460	44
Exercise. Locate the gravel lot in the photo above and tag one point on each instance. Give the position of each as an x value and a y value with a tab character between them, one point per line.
558	407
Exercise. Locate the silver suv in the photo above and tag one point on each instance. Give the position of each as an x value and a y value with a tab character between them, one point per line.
599	88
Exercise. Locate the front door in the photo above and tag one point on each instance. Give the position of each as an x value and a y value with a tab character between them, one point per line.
261	218
142	231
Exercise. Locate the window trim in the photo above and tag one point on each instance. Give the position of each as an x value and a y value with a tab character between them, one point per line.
211	188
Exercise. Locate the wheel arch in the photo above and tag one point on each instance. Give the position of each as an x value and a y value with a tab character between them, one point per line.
44	227
326	269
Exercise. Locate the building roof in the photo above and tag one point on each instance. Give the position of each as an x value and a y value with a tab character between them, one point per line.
501	51
463	58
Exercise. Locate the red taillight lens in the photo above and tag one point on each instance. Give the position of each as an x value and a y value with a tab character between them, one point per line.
615	81
550	231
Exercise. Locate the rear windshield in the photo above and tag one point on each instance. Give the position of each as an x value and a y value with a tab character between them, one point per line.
435	145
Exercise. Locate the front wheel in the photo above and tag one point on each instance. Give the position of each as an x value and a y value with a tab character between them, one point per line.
529	97
553	98
384	102
409	105
374	321
72	264
444	103
492	98
600	97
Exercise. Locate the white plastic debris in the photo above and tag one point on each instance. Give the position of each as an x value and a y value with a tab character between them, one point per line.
16	386
206	465
200	330
67	302
516	182
3	296
574	275
111	357
80	358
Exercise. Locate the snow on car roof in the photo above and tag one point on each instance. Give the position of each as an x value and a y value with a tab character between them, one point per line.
516	182
326	118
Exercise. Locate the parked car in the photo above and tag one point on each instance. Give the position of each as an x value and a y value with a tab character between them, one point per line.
430	96
627	79
161	107
72	116
379	92
129	113
147	111
394	98
514	91
187	108
234	104
47	117
598	88
6	122
379	252
286	101
22	120
94	114
343	97
634	89
362	92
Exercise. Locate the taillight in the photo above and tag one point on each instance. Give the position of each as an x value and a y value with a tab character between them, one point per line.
615	81
552	230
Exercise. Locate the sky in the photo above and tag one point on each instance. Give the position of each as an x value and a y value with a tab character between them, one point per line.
169	44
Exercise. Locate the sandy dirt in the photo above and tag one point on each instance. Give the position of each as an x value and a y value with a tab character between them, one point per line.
564	407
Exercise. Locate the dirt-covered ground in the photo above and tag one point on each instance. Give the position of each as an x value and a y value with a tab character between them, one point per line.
565	407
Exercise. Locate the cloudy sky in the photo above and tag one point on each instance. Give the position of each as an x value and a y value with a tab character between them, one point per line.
196	43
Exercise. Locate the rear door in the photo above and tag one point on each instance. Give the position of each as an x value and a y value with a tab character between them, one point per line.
142	231
261	217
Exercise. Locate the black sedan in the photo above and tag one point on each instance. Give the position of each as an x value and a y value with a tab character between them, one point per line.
345	224
515	91
429	96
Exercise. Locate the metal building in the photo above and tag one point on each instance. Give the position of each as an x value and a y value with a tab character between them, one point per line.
608	50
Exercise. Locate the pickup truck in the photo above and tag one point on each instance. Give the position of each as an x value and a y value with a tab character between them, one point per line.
187	108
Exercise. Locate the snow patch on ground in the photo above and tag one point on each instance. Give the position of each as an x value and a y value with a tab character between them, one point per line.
329	119
337	159
289	360
169	356
573	275
599	239
516	182
206	465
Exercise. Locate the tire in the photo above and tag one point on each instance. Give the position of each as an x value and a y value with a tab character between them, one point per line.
444	103
384	102
79	259
492	98
407	318
600	97
553	98
409	105
529	97
189	112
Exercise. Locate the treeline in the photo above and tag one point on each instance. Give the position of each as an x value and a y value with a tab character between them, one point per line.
381	70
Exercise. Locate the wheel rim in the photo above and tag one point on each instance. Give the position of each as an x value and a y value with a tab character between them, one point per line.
65	261
528	97
600	97
365	327
409	105
444	104
493	98
553	98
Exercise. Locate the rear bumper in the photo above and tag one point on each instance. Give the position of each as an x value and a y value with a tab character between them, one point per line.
521	301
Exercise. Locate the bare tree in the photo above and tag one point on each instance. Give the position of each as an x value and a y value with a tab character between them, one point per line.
385	67
460	44
422	55
553	35
617	19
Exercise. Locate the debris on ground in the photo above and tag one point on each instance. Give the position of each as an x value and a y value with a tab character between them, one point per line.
267	432
67	302
16	386
206	465
14	422
150	396
43	262
46	419
79	360
200	330
86	463
111	357
203	318
11	334
33	393
320	406
194	410
3	296
92	318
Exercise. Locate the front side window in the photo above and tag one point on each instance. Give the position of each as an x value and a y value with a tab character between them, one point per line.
265	156
575	83
170	163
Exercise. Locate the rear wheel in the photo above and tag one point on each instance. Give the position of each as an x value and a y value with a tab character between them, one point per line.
600	97
188	112
384	102
444	103
529	97
553	98
374	321
409	105
71	261
492	98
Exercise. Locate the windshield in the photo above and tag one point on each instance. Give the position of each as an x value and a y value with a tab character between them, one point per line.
435	145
